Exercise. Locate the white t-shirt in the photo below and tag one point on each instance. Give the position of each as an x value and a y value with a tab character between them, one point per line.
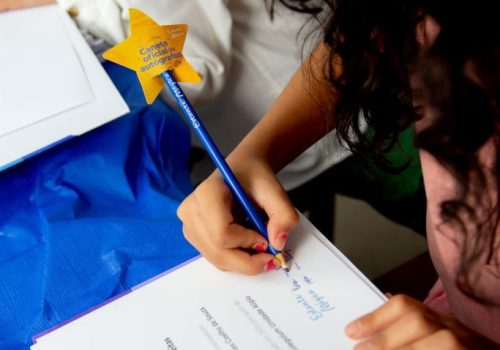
244	58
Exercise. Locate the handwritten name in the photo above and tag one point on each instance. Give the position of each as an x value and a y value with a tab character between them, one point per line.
314	304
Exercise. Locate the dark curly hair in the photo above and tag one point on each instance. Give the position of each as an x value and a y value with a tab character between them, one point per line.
460	76
375	42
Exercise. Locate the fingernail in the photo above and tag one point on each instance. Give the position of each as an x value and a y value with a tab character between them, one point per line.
271	265
352	329
280	244
260	247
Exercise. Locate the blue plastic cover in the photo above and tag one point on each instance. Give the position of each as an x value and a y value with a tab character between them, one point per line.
93	217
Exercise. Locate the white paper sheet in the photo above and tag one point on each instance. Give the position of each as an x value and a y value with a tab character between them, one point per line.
40	72
106	106
200	307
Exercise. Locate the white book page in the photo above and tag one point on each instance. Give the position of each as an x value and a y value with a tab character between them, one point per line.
200	307
41	74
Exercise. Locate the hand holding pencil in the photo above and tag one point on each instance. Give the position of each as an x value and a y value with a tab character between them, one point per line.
155	52
209	216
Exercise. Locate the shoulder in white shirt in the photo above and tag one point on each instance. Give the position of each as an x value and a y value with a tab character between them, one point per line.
244	58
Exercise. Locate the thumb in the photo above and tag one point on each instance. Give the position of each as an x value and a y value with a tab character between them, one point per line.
282	216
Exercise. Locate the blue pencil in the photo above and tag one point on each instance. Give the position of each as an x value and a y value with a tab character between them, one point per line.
219	161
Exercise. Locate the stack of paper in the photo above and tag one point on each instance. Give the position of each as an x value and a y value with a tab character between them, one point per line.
52	86
196	306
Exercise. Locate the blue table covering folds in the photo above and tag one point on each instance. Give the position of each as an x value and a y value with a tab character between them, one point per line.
93	217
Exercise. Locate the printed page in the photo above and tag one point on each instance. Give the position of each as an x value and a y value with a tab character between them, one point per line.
40	70
199	307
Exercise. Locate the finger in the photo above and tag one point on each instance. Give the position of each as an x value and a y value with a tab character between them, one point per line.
210	203
206	212
408	329
213	229
281	213
240	261
442	340
230	259
378	320
224	230
251	264
237	236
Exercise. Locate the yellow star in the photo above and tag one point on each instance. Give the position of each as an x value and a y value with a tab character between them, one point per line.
150	50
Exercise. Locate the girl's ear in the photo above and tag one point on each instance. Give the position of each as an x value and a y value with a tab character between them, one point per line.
427	31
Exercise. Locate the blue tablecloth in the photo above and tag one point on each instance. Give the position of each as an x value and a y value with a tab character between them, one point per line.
92	217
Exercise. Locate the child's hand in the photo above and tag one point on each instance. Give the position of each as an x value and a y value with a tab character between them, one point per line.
18	4
405	323
210	226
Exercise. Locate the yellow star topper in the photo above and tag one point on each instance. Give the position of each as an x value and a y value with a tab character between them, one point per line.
152	49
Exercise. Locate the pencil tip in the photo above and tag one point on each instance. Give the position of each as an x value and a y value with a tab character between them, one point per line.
282	261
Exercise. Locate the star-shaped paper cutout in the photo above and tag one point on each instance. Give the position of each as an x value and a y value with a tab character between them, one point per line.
152	49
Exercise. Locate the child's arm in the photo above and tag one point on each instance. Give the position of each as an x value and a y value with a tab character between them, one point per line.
295	121
299	117
19	4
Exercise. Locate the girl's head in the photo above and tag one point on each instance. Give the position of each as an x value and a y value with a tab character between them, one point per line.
459	76
403	60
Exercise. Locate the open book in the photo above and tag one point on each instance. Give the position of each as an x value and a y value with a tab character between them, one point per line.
196	306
